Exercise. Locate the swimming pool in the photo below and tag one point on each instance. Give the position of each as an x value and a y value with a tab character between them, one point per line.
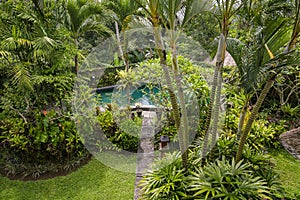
143	94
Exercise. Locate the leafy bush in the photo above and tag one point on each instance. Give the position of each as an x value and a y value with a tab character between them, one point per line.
226	180
251	178
123	135
165	180
46	139
264	134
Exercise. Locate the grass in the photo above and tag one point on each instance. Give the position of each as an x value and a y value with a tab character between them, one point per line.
289	169
93	181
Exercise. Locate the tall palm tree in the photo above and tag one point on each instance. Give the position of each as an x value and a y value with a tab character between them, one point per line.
187	10
250	55
85	16
123	10
25	39
153	9
278	62
225	11
166	14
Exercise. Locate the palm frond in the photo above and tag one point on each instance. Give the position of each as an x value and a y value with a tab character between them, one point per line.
21	76
73	10
43	47
276	34
194	7
4	54
139	22
93	26
283	60
237	50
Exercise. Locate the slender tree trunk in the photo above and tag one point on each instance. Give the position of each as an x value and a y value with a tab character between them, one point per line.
76	58
124	60
216	114
76	64
242	120
296	29
208	117
215	97
253	115
184	128
163	61
120	47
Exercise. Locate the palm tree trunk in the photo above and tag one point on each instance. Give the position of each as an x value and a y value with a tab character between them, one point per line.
163	61
267	88
124	60
242	120
76	64
216	113
76	58
215	97
208	116
120	47
296	30
253	115
184	128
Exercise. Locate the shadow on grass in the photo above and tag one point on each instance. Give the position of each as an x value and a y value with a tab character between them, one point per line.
91	181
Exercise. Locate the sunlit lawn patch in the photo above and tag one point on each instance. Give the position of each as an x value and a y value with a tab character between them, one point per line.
289	169
92	181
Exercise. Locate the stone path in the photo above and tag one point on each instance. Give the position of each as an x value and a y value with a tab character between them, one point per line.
145	154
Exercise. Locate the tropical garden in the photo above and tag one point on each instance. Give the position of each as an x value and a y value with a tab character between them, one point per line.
225	120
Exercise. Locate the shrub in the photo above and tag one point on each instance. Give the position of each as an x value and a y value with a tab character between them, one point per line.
226	180
123	135
251	178
47	139
165	180
263	133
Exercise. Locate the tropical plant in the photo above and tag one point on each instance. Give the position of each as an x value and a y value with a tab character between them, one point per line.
47	137
225	11
123	134
36	86
166	13
276	65
165	180
225	179
85	16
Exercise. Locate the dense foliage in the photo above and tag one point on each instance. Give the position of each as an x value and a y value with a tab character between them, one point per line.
44	42
37	77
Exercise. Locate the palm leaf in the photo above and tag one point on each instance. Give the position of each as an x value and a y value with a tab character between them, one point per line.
91	25
274	34
21	76
194	7
4	54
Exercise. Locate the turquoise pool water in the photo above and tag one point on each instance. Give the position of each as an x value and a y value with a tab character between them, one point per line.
140	95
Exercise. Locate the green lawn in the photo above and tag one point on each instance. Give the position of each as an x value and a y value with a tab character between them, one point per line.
96	181
289	169
90	182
